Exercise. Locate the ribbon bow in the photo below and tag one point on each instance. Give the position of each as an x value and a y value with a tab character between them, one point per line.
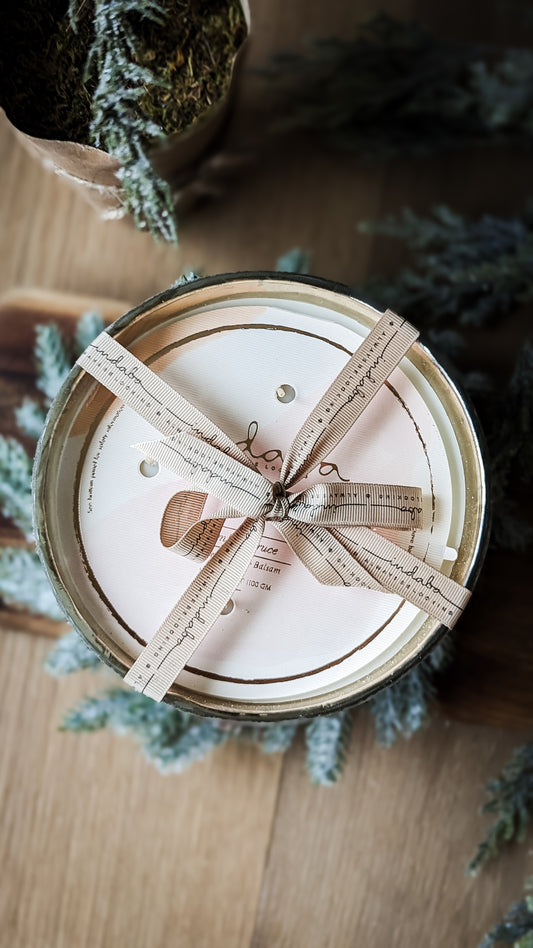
326	525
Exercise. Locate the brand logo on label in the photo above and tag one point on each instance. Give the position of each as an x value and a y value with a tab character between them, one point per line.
325	468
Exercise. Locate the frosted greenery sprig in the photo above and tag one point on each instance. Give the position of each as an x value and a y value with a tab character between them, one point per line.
117	124
470	272
515	928
404	707
398	89
327	740
511	801
170	739
23	581
406	710
294	261
71	654
15	484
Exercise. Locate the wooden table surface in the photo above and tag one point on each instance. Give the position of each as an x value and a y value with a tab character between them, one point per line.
253	855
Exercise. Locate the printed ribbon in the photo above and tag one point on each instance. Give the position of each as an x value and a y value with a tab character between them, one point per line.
327	525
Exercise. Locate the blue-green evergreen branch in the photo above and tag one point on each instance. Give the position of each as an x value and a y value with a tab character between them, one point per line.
404	707
511	802
117	125
89	326
70	654
52	358
15	484
515	928
468	272
170	739
397	89
327	741
23	582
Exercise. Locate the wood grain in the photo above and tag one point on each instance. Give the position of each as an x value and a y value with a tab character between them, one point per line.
252	854
98	849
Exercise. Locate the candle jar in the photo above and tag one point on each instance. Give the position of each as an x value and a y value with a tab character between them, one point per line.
254	353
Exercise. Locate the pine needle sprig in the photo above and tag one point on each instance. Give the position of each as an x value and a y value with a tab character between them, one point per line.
15	484
515	928
24	583
88	327
169	738
277	738
52	359
511	800
404	707
71	654
294	261
327	741
117	124
30	418
398	89
471	272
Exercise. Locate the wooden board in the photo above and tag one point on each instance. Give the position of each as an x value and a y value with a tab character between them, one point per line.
254	855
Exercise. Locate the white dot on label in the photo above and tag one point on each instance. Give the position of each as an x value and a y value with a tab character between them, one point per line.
229	607
285	394
149	468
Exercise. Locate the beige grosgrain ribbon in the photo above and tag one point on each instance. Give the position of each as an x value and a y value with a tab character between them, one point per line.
326	525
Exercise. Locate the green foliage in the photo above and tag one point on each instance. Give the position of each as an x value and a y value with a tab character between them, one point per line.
52	359
294	261
188	277
516	927
53	362
89	326
404	707
30	417
15	484
170	739
327	744
397	89
511	800
117	124
276	738
71	654
472	272
23	582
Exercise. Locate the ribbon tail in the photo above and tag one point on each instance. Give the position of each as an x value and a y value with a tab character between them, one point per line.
164	657
325	556
371	505
402	573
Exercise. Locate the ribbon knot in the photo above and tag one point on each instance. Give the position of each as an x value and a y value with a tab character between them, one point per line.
330	527
280	503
